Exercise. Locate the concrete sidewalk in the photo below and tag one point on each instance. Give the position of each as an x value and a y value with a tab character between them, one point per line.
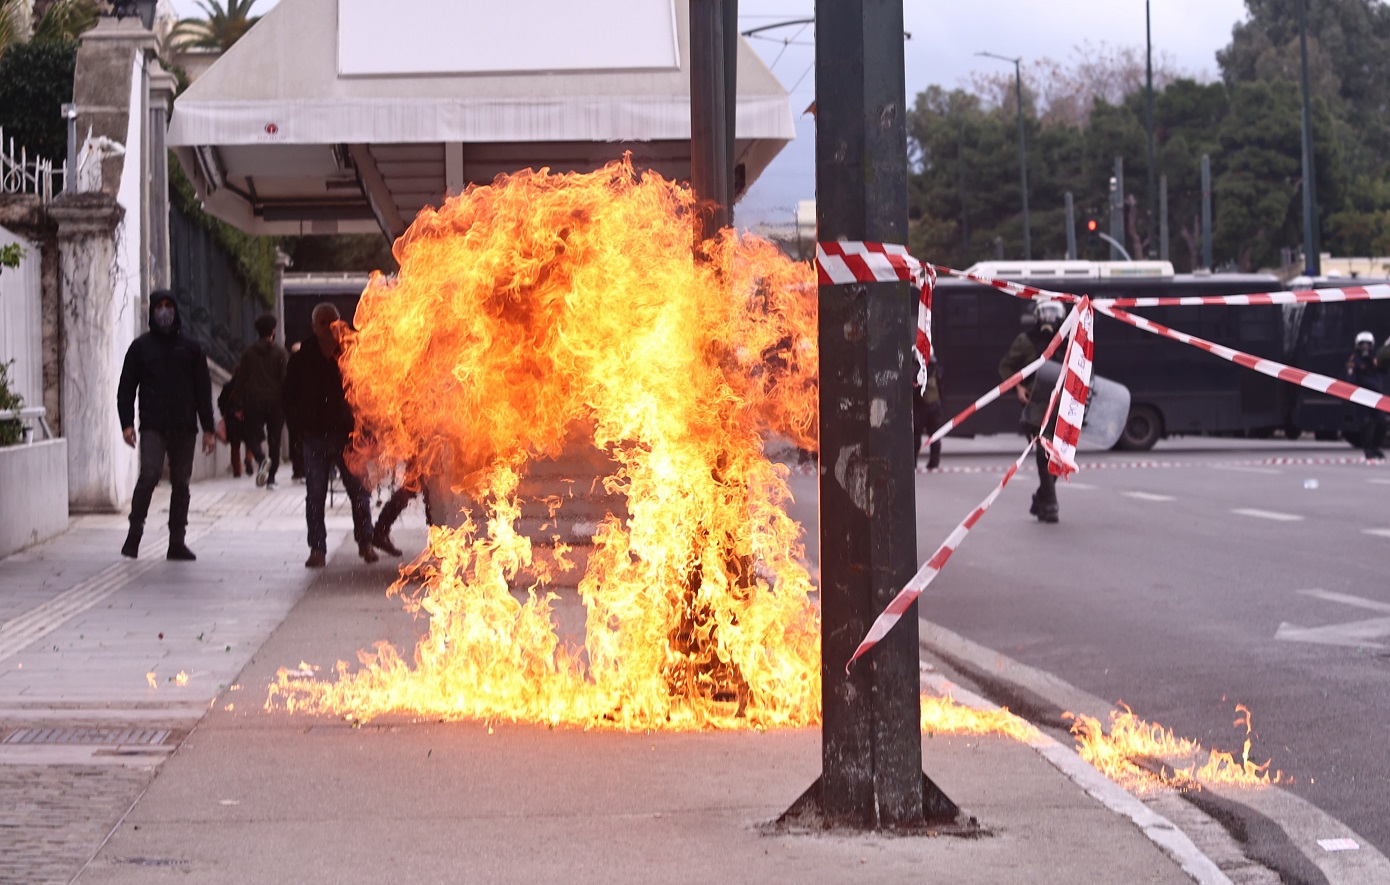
232	793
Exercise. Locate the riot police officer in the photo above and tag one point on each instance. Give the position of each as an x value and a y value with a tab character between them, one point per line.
1026	348
1363	371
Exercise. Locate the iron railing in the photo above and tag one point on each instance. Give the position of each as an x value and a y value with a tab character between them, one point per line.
19	174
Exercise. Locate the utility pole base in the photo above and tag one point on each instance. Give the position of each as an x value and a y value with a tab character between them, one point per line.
940	816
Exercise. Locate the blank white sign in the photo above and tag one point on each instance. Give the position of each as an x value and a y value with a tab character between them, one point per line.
504	36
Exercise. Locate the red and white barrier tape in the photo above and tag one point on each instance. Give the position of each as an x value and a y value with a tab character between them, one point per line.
1311	380
858	262
1075	390
1376	292
932	567
1063	332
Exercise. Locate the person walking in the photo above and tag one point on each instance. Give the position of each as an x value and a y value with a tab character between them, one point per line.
263	366
169	373
318	412
229	404
926	411
1363	371
1025	348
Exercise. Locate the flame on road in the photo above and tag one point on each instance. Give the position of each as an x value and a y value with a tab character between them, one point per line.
1144	756
545	311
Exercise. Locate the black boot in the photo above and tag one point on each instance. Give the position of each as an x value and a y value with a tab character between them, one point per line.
178	550
132	541
1046	511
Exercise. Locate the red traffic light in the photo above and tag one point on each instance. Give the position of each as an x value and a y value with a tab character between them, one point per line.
1091	225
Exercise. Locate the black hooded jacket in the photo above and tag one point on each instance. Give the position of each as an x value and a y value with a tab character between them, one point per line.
171	374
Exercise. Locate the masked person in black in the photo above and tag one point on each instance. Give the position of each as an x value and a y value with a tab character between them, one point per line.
318	413
1026	348
1363	371
170	374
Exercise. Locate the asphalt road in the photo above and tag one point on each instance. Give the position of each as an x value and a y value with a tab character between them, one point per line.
1179	585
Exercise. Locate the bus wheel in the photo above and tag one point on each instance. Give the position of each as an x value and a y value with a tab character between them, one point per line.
1292	433
1143	428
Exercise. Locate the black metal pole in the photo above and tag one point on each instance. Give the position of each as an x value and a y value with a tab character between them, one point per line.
1206	211
709	141
1071	227
731	187
964	194
1312	260
1149	123
1117	207
871	742
1023	160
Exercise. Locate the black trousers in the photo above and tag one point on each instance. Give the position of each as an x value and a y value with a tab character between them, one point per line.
155	446
264	422
1372	430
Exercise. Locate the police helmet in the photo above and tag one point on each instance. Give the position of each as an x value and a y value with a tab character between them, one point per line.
1365	338
1049	312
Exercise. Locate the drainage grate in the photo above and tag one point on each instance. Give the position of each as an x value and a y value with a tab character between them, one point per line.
110	737
154	861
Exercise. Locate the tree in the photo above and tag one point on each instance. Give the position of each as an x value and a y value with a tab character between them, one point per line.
225	22
1349	63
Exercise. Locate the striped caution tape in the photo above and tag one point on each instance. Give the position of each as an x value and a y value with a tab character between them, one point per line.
932	567
858	262
1375	292
1075	392
1063	332
1311	380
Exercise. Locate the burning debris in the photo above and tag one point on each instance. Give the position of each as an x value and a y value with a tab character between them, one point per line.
550	310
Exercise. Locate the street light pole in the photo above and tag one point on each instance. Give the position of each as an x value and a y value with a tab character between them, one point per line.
1149	51
1312	260
1022	148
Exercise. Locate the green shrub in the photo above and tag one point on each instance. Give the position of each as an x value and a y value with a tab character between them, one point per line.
11	429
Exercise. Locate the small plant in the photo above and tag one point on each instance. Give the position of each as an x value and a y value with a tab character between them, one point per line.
11	255
11	429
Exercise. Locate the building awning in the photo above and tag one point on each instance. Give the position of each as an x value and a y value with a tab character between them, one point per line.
301	127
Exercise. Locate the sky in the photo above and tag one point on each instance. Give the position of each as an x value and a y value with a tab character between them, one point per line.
946	34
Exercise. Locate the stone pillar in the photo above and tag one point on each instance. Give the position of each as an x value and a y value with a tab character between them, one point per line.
98	461
101	85
162	88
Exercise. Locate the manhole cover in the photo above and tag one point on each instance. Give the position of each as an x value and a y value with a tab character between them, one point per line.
114	737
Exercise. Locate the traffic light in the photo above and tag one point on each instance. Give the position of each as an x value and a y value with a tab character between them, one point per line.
1092	229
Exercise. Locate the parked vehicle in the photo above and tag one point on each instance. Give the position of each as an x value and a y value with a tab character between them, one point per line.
1174	389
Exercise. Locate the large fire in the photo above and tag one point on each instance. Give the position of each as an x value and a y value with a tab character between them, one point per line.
544	311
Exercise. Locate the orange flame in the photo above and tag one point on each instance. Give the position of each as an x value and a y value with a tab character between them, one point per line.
547	314
946	715
1133	747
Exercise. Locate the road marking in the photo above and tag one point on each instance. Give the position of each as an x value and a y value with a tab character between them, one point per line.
1379	482
1268	514
1351	634
1379	533
1148	496
1233	468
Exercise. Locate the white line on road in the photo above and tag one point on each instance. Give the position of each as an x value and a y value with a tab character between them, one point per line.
1235	469
1268	514
1379	533
1148	496
1380	482
1348	599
